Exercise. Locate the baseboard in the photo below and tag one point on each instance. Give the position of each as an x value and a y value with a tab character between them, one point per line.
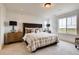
67	41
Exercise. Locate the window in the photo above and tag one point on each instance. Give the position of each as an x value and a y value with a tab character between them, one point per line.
62	25
68	25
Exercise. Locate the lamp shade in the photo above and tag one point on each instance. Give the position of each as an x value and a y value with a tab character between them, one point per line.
12	23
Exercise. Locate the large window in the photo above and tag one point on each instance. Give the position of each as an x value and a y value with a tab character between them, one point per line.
62	25
68	25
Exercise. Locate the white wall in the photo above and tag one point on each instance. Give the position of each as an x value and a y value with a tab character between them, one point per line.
68	37
51	19
24	18
20	18
54	24
2	18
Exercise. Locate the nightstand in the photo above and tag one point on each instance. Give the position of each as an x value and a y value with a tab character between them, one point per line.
13	37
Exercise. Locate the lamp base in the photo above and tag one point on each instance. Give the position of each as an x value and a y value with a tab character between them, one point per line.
13	30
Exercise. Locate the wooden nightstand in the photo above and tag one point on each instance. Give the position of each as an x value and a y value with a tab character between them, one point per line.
13	37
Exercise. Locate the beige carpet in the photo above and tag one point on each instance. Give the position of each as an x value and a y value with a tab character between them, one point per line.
62	48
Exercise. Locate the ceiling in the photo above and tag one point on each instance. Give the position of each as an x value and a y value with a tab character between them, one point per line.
36	9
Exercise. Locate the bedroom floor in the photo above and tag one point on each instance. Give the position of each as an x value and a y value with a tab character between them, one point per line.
62	48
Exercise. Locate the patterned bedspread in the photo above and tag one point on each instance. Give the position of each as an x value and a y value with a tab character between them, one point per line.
36	40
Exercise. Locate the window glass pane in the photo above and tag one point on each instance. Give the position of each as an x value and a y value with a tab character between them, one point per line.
69	22
62	25
71	25
74	20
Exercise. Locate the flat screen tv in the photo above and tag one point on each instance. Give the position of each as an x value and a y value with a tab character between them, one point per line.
12	23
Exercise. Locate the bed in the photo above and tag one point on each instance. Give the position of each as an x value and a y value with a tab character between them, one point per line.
37	39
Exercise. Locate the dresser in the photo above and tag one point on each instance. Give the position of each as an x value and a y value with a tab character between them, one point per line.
13	37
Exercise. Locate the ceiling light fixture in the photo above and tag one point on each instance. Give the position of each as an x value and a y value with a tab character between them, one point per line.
47	5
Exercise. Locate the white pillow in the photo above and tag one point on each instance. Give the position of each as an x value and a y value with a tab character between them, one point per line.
37	30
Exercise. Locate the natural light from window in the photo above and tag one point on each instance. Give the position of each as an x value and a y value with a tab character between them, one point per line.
68	25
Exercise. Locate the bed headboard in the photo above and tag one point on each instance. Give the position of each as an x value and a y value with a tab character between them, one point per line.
30	25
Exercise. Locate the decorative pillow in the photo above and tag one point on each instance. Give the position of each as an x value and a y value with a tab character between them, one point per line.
37	30
40	29
33	30
28	30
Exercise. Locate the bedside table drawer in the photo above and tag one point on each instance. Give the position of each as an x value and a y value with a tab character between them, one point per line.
13	37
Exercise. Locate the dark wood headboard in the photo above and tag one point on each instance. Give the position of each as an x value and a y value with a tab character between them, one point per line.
30	25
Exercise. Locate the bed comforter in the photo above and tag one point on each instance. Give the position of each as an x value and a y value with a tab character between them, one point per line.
36	40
